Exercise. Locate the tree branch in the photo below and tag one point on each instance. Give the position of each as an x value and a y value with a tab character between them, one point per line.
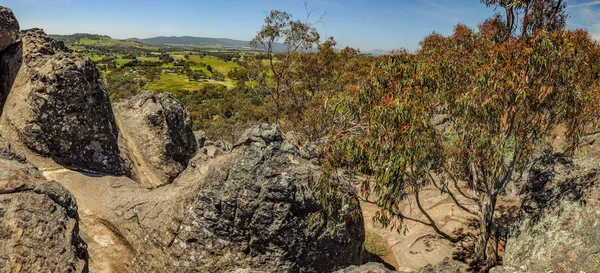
449	192
432	222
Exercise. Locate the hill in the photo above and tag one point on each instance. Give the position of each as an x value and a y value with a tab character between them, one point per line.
83	39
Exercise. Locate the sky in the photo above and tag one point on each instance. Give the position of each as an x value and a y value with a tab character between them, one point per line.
363	24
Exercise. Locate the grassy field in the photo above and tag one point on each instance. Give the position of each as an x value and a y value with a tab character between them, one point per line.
215	63
173	82
148	59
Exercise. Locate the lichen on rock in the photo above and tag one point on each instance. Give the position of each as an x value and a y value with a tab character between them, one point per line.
560	218
158	130
39	223
58	106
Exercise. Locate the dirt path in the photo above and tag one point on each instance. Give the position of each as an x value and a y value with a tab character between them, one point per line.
102	199
108	251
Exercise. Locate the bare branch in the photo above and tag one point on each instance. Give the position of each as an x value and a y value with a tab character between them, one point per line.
432	222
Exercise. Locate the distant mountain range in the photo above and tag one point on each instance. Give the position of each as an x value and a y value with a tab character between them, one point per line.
180	41
376	52
198	42
216	42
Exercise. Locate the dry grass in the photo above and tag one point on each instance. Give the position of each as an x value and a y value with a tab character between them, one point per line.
375	244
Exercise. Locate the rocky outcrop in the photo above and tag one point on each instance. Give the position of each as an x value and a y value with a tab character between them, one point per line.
58	107
39	229
251	208
10	63
209	148
9	28
9	33
158	130
558	230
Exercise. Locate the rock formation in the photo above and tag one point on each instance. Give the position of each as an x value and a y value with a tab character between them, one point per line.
560	216
9	28
57	105
254	207
39	224
158	132
9	33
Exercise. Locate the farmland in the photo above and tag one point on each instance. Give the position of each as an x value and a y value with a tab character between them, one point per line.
168	69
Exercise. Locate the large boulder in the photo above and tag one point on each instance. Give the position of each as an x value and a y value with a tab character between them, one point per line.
39	224
9	33
58	107
560	218
9	28
158	130
252	208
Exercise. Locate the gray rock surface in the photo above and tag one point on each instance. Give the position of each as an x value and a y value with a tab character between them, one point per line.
9	28
212	149
10	62
313	150
9	33
200	138
252	208
560	218
39	229
446	266
367	268
58	106
509	269
158	130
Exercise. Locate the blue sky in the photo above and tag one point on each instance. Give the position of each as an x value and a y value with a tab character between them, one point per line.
365	24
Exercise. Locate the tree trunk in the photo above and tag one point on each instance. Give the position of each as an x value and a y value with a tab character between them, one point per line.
485	252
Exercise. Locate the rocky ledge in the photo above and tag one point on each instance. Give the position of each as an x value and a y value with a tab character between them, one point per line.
39	223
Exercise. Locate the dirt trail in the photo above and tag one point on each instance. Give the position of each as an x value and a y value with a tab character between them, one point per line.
108	251
103	198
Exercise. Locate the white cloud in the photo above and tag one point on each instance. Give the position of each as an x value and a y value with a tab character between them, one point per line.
588	4
586	17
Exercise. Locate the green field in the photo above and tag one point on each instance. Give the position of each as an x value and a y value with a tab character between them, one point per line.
215	63
148	59
173	82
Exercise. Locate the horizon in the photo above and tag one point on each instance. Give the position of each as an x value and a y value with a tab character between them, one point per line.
384	25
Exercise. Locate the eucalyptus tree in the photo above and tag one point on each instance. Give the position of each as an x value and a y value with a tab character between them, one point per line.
502	96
